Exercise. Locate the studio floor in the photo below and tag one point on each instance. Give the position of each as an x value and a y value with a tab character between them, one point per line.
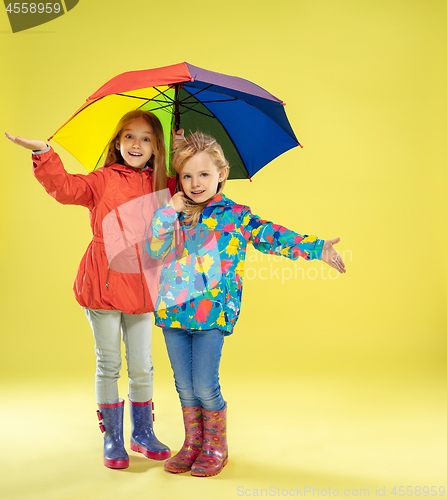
364	436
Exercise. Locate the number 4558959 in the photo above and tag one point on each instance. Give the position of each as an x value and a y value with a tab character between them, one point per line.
418	491
33	8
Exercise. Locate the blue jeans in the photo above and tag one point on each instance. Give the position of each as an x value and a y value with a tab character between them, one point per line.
137	337
195	358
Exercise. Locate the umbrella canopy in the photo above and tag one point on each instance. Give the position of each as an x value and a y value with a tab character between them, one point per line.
247	121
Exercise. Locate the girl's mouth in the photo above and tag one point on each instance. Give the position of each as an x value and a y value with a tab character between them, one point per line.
197	193
133	153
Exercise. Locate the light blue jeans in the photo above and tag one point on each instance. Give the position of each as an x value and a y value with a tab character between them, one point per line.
137	337
195	359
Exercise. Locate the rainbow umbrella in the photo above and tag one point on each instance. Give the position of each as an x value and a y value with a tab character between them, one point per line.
247	121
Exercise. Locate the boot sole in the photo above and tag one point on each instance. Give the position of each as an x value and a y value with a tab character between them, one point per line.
116	464
200	474
177	471
163	455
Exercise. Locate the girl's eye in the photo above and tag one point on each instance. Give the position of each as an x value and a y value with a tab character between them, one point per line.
128	136
147	139
186	176
204	175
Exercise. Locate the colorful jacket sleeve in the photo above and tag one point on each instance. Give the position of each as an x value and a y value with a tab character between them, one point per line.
161	234
274	239
68	189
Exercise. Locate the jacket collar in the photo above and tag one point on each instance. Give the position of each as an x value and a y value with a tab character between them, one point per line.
127	170
219	200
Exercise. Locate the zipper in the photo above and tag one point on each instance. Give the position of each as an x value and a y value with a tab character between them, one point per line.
141	276
136	244
108	271
188	297
192	268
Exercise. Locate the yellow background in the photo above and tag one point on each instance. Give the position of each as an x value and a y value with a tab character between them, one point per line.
330	383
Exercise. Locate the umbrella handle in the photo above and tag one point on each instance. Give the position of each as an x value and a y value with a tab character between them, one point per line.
176	110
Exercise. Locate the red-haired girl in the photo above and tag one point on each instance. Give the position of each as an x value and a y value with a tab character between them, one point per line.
115	290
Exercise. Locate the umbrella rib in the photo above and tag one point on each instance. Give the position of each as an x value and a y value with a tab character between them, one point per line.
133	97
193	95
161	92
166	105
219	92
157	89
146	99
197	111
220	100
160	107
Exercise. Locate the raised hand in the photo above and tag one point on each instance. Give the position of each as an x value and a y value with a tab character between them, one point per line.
178	202
178	137
331	256
25	143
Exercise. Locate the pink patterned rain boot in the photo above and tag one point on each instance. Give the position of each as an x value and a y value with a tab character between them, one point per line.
192	418
214	455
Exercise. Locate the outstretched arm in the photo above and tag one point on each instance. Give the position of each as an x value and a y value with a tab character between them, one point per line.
331	256
68	189
25	143
271	238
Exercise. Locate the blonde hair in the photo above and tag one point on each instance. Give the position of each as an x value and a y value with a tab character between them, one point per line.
193	145
157	161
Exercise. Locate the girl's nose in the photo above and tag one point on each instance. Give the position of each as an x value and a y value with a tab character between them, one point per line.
195	182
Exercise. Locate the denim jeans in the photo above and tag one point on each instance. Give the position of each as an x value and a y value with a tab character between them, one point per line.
195	358
137	337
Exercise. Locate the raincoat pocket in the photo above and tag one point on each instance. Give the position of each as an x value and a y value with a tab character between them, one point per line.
111	279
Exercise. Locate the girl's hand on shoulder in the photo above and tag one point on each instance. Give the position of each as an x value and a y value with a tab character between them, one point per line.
178	202
331	256
178	138
25	143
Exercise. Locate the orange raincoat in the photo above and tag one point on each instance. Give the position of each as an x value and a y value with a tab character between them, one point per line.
99	284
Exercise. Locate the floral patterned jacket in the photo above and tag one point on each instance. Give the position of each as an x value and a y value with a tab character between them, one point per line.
202	289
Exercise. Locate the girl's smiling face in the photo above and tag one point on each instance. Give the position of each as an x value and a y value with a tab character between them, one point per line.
135	143
200	178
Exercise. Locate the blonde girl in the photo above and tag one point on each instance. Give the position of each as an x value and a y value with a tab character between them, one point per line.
200	291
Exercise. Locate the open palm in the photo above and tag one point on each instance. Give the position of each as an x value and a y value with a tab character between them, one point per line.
331	256
25	143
